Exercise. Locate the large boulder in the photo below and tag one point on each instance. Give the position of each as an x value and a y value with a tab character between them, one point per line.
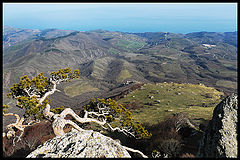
220	137
85	144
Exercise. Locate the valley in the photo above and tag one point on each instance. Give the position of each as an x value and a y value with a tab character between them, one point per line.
108	59
160	77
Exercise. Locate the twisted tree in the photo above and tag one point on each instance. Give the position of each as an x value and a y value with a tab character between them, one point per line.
32	97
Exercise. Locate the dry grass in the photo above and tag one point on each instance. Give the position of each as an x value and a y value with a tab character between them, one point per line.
227	84
33	136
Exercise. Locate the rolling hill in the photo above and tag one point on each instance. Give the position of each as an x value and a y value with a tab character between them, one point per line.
108	59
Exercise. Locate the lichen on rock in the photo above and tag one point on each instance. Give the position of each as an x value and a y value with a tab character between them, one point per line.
80	144
220	137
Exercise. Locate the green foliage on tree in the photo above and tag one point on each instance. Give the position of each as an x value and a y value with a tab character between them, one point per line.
32	96
5	107
29	93
65	74
57	110
111	111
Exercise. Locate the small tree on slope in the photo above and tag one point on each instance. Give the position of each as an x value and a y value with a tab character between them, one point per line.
32	97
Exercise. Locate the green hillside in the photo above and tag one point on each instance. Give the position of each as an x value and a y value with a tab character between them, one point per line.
157	101
79	87
107	59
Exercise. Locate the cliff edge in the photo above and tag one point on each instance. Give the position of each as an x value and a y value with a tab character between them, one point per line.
220	137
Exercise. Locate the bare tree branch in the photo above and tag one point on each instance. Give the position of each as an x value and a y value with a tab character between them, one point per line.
32	95
136	151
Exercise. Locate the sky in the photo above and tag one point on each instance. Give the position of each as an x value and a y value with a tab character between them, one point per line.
125	17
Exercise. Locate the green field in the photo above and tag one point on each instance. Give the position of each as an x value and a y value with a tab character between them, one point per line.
163	99
79	88
124	74
131	45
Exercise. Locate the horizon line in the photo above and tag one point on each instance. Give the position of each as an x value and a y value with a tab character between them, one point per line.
115	30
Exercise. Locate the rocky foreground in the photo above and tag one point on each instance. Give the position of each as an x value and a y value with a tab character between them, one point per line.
75	144
219	139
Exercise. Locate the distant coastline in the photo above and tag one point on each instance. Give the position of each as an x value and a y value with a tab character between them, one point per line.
80	30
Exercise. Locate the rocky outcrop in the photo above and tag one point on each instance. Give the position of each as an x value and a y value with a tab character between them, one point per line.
84	144
220	137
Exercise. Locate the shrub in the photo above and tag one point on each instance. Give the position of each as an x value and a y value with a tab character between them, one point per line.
170	147
164	135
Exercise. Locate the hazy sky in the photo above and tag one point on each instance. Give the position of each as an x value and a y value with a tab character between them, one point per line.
126	17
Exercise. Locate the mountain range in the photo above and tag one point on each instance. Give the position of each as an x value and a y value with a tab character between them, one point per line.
107	60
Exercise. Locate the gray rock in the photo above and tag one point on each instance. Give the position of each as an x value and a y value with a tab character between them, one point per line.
220	137
75	144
